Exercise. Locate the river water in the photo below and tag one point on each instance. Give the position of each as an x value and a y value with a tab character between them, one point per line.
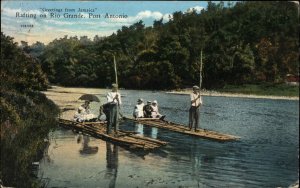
265	156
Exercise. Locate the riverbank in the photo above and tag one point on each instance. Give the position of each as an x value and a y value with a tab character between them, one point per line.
227	94
24	115
66	98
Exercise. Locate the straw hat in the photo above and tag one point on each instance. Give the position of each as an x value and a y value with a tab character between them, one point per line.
114	85
196	87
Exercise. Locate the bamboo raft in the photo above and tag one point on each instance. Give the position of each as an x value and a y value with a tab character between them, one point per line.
123	138
180	128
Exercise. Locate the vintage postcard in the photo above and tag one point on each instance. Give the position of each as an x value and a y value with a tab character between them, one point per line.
149	94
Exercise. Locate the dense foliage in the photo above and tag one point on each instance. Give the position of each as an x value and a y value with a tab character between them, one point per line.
249	42
26	114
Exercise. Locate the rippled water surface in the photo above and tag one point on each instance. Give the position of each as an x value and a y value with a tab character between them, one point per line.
266	155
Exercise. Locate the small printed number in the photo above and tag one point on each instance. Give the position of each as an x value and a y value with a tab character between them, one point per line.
26	25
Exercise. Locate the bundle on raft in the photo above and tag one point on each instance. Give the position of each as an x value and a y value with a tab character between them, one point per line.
123	138
180	128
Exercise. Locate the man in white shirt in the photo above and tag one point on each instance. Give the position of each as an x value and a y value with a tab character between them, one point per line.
138	109
114	101
194	112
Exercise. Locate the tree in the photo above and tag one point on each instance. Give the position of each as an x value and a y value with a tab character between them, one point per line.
245	43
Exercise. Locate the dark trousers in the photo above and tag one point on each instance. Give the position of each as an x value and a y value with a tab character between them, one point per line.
112	119
194	117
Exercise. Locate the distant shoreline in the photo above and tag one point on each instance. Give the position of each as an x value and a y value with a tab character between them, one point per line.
182	92
241	95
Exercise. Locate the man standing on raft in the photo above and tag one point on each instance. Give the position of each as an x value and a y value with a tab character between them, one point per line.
194	112
114	101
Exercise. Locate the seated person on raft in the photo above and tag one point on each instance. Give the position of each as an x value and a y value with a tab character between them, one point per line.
155	113
86	107
83	113
78	117
148	110
138	109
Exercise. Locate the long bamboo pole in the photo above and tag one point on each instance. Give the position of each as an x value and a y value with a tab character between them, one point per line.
200	83
200	72
115	66
116	78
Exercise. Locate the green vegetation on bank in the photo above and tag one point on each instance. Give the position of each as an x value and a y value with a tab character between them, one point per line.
26	114
263	89
250	42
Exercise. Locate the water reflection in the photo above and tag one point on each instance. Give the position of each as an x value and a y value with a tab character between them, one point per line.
46	155
139	128
86	149
154	131
112	162
147	131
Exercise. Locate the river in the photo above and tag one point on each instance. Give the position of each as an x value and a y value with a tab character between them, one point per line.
265	156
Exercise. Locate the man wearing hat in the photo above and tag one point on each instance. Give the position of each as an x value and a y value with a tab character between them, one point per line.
138	109
113	102
194	112
148	110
